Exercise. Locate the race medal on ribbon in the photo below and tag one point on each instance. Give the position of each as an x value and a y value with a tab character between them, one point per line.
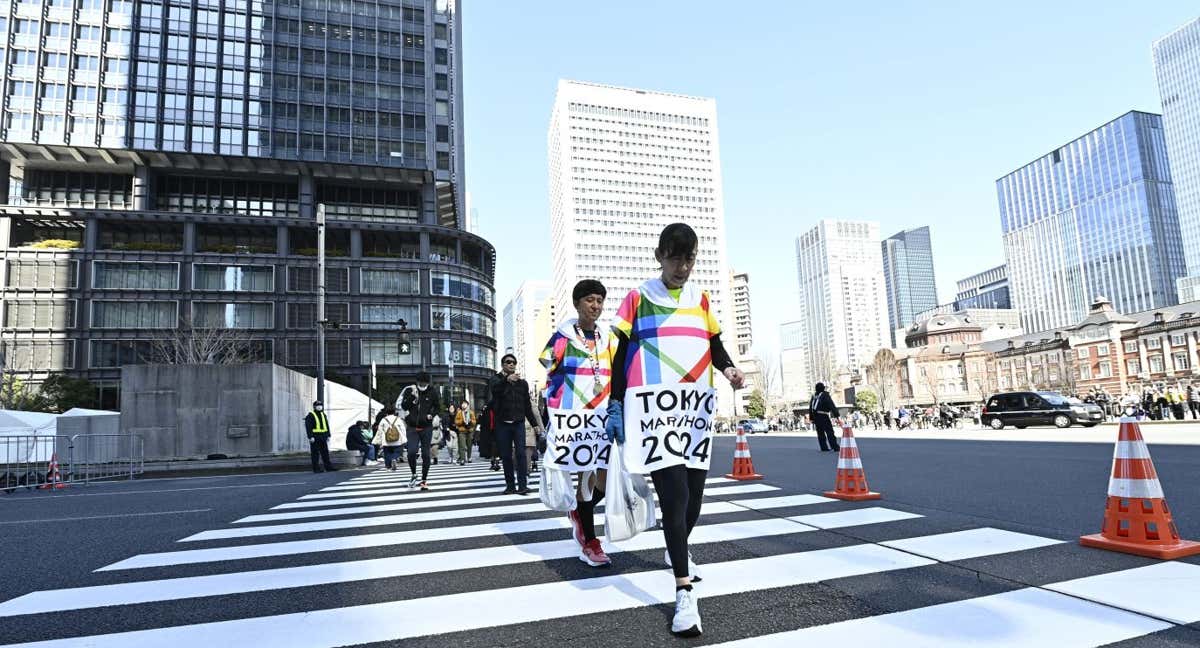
575	440
668	425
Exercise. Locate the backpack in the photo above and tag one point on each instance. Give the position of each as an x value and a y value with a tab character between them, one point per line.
391	433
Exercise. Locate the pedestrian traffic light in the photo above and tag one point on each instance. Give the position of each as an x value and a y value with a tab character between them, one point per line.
405	345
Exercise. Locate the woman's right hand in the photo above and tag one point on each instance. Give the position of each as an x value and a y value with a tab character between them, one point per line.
614	426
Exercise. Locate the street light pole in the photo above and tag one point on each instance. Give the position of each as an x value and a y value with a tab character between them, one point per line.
321	303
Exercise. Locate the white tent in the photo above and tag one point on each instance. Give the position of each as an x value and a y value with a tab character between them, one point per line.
26	436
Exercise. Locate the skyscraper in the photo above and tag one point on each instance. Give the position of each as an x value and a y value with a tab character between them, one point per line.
164	163
987	289
1095	217
843	306
521	331
743	325
908	277
1177	65
793	372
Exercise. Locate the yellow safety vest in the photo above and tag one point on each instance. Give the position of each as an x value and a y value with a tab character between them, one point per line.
320	423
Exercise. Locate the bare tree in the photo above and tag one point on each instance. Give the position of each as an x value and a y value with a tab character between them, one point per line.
881	374
769	364
190	344
930	381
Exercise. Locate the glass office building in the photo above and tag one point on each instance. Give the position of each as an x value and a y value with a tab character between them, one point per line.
1096	217
908	277
1177	64
164	160
987	289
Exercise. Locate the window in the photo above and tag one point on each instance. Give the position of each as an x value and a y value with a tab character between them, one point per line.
124	275
1131	346
303	279
233	278
304	315
1085	372
303	353
40	314
389	282
1153	343
1102	350
1181	360
462	353
46	275
116	353
1082	353
1133	367
1156	363
386	316
134	314
227	315
1104	370
1179	339
39	355
387	352
441	283
445	318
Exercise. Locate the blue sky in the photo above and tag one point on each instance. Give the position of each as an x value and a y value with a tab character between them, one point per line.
902	112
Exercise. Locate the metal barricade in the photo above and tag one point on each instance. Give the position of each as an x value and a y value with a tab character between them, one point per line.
25	460
94	457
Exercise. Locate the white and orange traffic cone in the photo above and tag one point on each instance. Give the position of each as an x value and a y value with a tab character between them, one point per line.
54	479
1136	517
743	466
851	480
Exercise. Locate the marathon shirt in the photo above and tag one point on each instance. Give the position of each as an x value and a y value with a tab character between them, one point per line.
577	413
669	336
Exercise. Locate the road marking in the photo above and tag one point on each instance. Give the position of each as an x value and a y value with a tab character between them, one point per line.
855	517
399	487
391	482
1169	590
106	517
169	490
403	619
464	501
960	545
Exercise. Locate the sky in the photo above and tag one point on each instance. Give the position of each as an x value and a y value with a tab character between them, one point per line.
901	112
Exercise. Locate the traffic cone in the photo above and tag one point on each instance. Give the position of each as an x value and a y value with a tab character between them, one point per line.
743	466
851	480
55	478
1136	517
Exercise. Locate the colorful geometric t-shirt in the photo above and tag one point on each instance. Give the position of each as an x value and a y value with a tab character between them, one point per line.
571	362
669	337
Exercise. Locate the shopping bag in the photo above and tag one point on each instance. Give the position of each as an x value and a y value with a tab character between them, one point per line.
628	502
555	489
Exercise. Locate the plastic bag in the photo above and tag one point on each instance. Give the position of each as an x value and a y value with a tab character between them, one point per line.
555	489
628	501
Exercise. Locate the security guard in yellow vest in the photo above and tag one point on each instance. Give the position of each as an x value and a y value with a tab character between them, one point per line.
316	425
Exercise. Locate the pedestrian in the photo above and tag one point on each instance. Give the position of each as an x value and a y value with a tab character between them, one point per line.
822	412
389	430
358	437
887	419
316	426
578	361
464	422
669	341
1193	399
419	404
512	408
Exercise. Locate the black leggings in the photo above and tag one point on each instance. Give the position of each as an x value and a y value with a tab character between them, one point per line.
587	512
680	493
425	439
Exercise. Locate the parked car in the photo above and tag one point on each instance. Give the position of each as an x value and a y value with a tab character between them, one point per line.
1022	409
752	426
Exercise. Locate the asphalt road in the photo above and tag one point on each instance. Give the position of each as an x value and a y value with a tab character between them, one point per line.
1054	491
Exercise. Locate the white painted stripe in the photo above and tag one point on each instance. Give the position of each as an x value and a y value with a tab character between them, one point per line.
499	607
1134	488
1029	618
361	570
854	517
741	489
961	545
433	470
1131	450
765	503
1167	590
389	495
405	480
849	464
402	487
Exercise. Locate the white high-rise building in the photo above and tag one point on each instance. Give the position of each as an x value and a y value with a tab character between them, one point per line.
793	365
743	326
843	305
1177	65
527	328
624	164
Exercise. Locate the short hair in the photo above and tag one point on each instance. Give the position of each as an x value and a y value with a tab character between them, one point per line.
587	287
506	356
423	376
677	239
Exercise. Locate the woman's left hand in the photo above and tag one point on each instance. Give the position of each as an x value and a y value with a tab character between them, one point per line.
736	378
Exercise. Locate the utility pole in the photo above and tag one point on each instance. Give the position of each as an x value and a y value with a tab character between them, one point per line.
321	302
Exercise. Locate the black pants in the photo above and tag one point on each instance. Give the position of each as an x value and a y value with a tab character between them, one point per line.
423	438
680	493
510	443
1195	407
318	448
825	434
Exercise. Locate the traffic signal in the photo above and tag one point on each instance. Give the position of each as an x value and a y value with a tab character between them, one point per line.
405	345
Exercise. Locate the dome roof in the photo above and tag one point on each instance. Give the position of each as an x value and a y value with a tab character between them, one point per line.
941	324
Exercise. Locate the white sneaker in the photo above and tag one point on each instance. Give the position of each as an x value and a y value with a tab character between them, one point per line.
687	615
414	482
693	570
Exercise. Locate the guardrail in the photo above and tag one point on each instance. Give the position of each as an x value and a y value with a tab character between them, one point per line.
25	460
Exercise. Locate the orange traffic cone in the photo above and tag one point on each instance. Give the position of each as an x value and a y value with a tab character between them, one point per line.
851	480
55	478
743	466
1136	517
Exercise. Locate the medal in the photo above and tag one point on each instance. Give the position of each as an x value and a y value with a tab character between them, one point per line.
593	356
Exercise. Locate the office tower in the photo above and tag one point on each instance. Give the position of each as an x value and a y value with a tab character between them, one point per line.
843	306
908	276
1177	65
987	289
1095	217
163	165
522	334
743	327
793	372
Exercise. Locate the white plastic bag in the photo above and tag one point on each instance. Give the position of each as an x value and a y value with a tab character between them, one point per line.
555	489
628	501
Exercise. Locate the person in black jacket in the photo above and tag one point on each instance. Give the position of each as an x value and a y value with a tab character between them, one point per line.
419	404
822	411
511	405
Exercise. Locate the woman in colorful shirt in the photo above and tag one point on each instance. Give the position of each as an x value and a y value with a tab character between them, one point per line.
578	360
669	343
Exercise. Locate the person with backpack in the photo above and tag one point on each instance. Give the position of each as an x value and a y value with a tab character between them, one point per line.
464	422
512	408
419	404
389	430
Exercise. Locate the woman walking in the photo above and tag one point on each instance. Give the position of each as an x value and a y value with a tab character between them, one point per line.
464	421
669	343
389	430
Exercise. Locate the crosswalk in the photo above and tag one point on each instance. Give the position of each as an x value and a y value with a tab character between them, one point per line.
368	561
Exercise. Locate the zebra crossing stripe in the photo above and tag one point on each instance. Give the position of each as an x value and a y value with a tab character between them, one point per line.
364	541
1100	610
964	544
499	607
466	501
402	486
407	478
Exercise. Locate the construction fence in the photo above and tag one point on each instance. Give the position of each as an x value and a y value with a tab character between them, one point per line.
26	460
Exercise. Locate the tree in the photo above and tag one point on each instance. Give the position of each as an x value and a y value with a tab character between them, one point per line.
867	401
15	394
881	373
62	392
930	380
190	344
756	407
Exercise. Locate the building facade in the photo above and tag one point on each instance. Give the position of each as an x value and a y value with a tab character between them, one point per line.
528	322
164	163
908	277
988	289
793	372
1096	216
1177	66
842	299
742	321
